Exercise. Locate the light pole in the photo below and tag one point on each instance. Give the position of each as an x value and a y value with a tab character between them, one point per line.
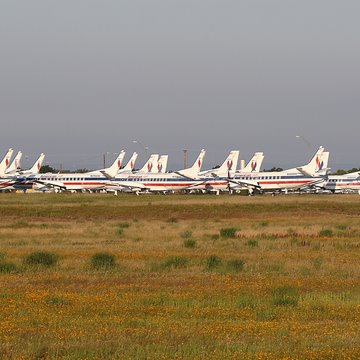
145	148
104	158
185	158
304	140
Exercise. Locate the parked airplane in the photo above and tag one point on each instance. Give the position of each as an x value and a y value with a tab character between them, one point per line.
150	165
6	180
296	178
129	167
254	164
214	180
143	182
5	162
15	165
93	180
161	165
342	183
24	178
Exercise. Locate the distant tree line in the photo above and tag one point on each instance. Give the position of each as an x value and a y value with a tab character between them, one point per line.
342	172
49	169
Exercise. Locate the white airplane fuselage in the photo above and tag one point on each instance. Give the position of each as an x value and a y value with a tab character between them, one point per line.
151	182
273	181
342	183
73	182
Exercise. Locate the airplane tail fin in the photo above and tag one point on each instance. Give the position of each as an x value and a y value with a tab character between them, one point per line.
150	164
130	164
195	169
323	161
162	164
254	165
37	165
15	165
228	167
114	168
5	162
316	164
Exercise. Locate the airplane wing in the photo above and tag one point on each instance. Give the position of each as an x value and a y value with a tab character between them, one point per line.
184	176
313	183
106	174
196	185
52	184
245	183
304	172
130	185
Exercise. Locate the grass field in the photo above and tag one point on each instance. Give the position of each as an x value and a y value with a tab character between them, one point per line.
192	277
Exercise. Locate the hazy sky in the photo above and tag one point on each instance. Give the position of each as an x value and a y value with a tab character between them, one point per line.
80	78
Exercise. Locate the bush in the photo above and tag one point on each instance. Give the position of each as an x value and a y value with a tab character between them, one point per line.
7	268
41	258
123	225
103	261
187	234
342	226
172	220
235	264
175	262
285	296
189	243
56	300
252	243
228	232
325	232
212	262
317	262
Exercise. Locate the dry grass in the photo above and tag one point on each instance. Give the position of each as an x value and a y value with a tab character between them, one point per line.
144	309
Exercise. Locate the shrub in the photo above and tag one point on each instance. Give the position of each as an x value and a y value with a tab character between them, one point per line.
215	237
175	262
103	261
123	225
252	243
56	300
172	220
342	226
285	296
212	262
325	232
228	232
120	232
187	234
41	258
189	243
235	264
7	268
317	262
